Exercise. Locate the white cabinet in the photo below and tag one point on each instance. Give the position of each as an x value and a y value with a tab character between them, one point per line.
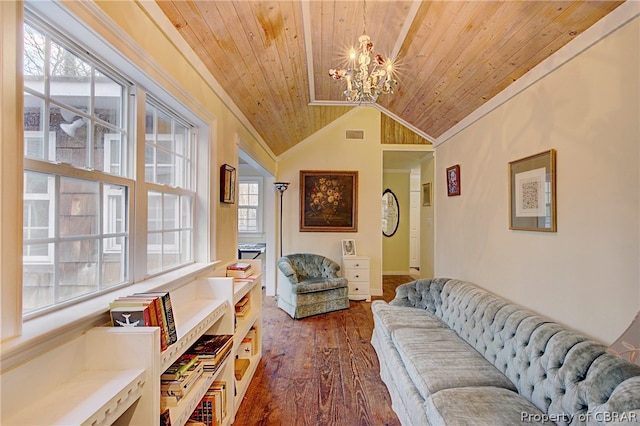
356	270
111	375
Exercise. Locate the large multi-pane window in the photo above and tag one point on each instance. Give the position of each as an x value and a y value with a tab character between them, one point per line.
80	176
77	188
169	176
250	205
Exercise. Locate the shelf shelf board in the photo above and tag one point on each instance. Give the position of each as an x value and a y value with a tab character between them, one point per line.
90	398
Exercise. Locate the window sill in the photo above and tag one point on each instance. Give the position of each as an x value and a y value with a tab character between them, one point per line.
45	332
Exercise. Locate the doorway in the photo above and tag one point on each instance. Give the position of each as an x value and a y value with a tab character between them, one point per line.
410	250
256	216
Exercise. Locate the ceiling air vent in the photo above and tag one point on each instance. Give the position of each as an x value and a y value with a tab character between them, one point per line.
354	135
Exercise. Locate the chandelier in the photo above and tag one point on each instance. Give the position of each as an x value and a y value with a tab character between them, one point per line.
365	78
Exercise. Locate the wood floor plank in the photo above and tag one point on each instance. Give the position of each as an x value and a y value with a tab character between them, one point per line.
320	370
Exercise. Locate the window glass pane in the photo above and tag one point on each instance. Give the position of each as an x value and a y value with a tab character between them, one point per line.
187	211
70	78
149	164
38	288
35	140
33	59
114	157
164	136
170	211
114	261
77	269
170	247
164	173
108	99
186	246
154	215
79	207
114	209
154	253
71	136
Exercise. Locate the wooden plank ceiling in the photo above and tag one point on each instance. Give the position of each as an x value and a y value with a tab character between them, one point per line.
272	57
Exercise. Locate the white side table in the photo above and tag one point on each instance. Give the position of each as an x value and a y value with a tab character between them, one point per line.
356	270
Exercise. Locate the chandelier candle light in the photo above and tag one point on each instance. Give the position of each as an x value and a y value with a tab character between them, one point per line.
365	78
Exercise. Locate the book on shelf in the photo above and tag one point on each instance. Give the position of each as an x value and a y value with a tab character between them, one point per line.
212	350
220	387
211	409
239	270
253	335
240	367
165	417
172	391
242	307
179	367
131	316
245	350
167	310
239	266
155	310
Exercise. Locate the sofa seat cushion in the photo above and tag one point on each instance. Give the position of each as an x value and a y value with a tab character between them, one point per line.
313	284
438	359
482	406
391	318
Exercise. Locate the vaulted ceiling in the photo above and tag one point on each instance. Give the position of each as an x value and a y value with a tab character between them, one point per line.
272	57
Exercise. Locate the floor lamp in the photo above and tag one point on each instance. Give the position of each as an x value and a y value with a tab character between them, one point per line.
281	187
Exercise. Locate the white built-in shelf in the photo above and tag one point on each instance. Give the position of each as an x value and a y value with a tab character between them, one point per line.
87	398
111	375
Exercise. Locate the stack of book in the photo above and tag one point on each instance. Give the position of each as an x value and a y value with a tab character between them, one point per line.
239	270
242	307
212	350
177	381
146	310
212	409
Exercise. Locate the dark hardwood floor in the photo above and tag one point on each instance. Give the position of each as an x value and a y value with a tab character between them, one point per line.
320	370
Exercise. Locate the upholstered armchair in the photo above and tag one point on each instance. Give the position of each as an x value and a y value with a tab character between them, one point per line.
312	286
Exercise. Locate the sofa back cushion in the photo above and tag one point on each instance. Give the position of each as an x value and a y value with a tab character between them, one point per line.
562	372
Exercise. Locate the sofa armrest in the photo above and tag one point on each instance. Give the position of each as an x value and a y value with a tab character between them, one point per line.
422	293
284	264
329	268
402	294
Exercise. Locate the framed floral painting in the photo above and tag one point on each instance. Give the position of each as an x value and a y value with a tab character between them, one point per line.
328	201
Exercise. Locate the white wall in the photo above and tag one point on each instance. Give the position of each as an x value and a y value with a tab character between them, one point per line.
328	150
586	275
427	228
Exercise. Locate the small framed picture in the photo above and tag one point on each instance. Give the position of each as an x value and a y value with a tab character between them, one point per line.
348	248
426	194
227	184
532	184
453	180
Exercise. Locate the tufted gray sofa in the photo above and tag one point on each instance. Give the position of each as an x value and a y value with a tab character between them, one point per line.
452	353
313	286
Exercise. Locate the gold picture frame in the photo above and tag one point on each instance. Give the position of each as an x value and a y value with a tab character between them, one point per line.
328	201
532	193
426	194
227	184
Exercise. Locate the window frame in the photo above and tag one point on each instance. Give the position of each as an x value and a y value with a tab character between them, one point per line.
259	208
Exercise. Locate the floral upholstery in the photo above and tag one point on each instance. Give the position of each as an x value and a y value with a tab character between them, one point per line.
312	287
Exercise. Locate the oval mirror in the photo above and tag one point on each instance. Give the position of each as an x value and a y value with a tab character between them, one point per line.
390	213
